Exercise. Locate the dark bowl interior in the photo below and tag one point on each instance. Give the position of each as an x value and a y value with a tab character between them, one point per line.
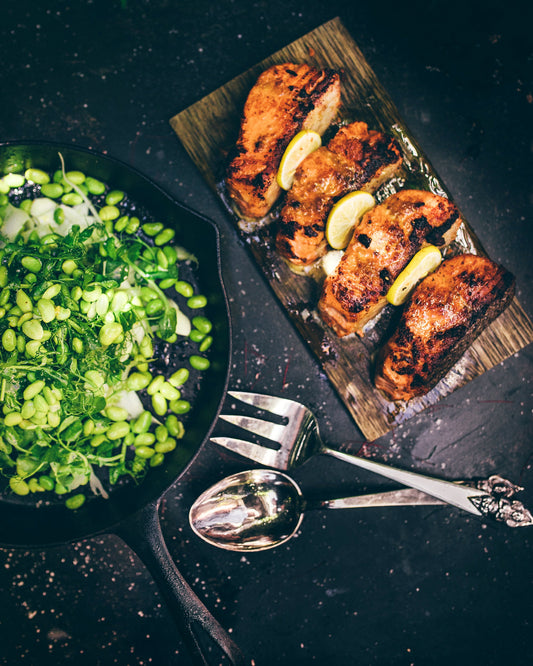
37	523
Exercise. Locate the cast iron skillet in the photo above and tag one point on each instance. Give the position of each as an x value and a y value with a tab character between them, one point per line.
132	512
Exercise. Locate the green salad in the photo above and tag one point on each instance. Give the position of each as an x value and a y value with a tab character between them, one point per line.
86	293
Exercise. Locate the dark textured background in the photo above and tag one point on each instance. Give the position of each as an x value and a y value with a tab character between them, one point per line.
385	587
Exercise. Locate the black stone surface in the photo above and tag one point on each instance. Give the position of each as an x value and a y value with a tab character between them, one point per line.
387	587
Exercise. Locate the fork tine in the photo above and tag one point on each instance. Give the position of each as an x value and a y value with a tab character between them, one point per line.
268	429
279	406
260	454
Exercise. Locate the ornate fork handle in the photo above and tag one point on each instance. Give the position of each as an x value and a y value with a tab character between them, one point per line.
497	504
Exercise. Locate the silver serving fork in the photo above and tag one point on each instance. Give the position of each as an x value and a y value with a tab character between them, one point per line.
299	439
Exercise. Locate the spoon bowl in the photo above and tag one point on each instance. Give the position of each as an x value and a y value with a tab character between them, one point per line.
253	510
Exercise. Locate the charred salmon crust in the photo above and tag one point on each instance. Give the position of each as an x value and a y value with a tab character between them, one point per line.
356	158
286	99
385	241
446	313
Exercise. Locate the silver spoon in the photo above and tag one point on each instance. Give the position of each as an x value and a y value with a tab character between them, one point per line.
263	508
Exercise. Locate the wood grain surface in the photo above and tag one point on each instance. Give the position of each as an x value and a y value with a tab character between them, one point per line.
208	129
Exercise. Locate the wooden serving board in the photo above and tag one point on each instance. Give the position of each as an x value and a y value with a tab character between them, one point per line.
208	129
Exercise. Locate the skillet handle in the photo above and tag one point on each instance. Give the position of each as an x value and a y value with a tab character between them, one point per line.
142	532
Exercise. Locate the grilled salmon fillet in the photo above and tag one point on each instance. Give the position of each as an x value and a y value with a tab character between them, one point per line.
385	241
355	159
445	314
287	98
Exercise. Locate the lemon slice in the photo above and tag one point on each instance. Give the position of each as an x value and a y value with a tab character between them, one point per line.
345	216
300	146
424	262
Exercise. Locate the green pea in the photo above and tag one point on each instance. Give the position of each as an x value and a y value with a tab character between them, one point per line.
138	381
72	199
152	228
183	288
118	430
114	197
157	459
164	236
94	186
132	225
116	413
199	362
108	213
144	439
9	340
75	177
166	446
206	343
159	403
179	377
37	176
142	423
110	333
52	190
19	486
75	501
196	302
180	406
144	452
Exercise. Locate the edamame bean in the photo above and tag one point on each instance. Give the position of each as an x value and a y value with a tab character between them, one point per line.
168	391
33	389
46	482
142	423
75	501
166	283
152	228
52	291
52	190
132	225
69	266
179	377
108	213
199	362
202	324
12	419
37	176
59	215
94	186
121	223
46	309
173	425
40	403
144	439
164	236
24	301
75	177
116	413
196	336
155	385
114	197
157	459
110	333
180	406
138	381
161	433
54	419
196	302
159	403
14	179
166	446
19	486
97	440
144	452
33	264
77	345
3	276
171	254
183	288
154	306
9	340
72	199
118	430
28	409
206	343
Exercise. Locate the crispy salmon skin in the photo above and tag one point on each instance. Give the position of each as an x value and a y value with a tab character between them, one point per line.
287	98
385	241
445	314
356	158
